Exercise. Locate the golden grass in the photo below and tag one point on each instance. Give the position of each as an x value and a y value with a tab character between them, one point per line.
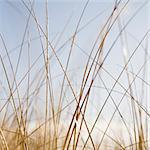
52	128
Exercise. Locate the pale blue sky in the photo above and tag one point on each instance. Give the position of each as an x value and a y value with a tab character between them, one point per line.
13	18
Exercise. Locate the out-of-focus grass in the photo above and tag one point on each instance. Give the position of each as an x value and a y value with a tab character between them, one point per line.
61	122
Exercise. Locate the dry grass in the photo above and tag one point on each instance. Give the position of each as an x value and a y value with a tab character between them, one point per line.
43	111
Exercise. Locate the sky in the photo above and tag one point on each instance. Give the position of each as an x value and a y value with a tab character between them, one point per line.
63	16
